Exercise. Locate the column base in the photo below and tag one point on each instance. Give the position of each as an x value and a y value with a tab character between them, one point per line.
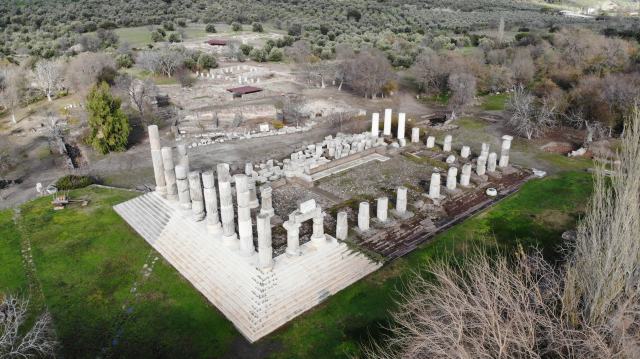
249	252
267	267
293	253
162	191
172	197
214	228
230	241
271	212
254	204
199	217
319	242
185	206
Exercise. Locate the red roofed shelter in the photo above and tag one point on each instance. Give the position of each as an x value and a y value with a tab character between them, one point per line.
244	90
216	42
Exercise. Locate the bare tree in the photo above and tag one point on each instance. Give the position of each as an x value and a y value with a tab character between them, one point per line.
18	342
87	69
370	73
526	116
137	94
292	109
165	60
501	30
182	33
12	89
430	72
463	87
234	51
48	76
593	127
523	67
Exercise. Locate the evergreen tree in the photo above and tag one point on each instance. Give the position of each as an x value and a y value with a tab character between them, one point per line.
109	125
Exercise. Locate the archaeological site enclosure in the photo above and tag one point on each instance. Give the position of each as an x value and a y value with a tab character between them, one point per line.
268	241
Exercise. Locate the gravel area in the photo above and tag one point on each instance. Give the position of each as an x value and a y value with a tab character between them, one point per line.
378	179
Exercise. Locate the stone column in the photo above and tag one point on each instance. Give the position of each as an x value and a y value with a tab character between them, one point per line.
183	158
245	230
169	174
447	143
265	251
197	200
363	216
465	152
211	203
401	118
431	142
491	164
156	157
387	122
466	175
253	201
183	188
504	156
293	239
267	205
342	226
248	169
485	149
434	186
401	201
375	124
382	209
481	166
318	239
415	135
451	178
229	236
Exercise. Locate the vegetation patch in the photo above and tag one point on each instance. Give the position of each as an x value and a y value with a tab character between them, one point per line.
495	102
72	182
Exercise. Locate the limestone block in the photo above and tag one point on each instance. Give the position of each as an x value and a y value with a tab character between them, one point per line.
402	142
248	169
451	159
485	149
375	124
504	158
267	201
431	142
466	175
342	226
506	142
307	206
451	178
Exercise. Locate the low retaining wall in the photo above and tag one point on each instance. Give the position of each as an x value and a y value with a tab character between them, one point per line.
343	160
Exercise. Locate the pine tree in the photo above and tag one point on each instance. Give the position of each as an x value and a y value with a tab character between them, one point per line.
109	125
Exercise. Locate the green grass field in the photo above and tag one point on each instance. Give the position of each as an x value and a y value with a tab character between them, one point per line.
495	102
141	36
88	260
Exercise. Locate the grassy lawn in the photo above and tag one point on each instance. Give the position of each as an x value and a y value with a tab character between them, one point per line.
141	36
88	260
494	103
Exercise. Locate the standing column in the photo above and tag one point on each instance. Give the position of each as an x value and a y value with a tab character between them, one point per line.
156	157
434	186
363	216
382	209
183	188
375	124
211	203
447	143
387	122
293	239
431	142
451	178
169	174
245	230
401	201
465	152
267	205
253	202
491	165
342	226
485	149
466	175
229	237
197	200
506	145
481	166
265	251
415	135
183	158
401	118
318	239
248	169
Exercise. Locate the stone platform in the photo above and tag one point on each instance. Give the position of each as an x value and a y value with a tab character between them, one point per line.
348	165
257	303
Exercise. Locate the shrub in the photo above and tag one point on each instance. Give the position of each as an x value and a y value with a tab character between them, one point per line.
207	61
277	125
246	49
156	36
259	55
522	36
210	28
257	27
276	54
124	61
72	182
173	37
236	26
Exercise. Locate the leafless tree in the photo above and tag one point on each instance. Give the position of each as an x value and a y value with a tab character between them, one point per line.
234	51
370	73
430	72
501	30
496	79
88	68
593	127
137	94
523	67
324	70
182	33
463	87
304	67
48	75
292	109
344	55
164	60
18	342
527	117
12	88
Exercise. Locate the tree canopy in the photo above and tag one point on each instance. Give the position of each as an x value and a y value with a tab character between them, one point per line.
109	125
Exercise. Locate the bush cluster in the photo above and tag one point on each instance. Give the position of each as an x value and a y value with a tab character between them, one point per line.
72	182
